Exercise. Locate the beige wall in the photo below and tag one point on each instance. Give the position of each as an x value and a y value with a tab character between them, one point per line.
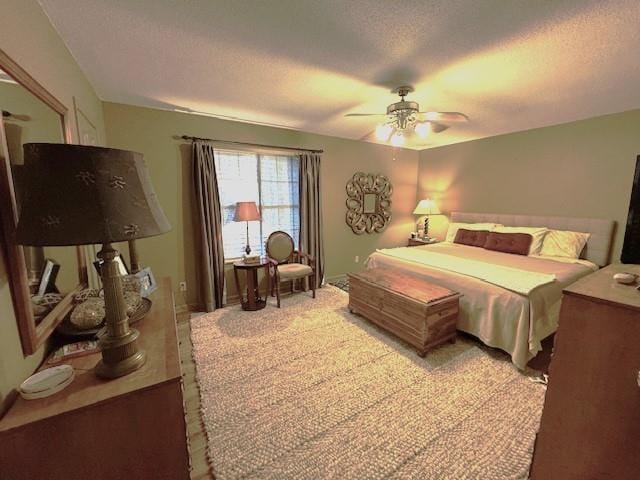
28	37
582	168
151	132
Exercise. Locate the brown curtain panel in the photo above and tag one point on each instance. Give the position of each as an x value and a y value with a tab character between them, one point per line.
311	211
208	203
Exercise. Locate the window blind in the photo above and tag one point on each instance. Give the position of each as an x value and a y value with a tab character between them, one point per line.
272	181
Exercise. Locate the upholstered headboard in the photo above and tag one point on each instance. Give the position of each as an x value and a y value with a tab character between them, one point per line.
598	246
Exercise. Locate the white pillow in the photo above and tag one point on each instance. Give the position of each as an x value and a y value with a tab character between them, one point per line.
537	233
453	228
564	243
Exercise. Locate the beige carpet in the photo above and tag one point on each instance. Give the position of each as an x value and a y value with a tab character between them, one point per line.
312	392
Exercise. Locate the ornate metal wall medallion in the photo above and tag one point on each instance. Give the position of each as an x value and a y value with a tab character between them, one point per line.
368	203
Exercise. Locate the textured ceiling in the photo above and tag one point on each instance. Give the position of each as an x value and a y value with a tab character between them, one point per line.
508	64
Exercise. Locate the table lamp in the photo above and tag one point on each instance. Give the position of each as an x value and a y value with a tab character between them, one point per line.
82	195
426	207
246	212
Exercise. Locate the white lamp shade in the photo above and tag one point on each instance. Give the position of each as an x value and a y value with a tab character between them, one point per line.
423	129
397	139
426	207
383	132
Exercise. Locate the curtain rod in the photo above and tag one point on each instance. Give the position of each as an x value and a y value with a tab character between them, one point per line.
187	137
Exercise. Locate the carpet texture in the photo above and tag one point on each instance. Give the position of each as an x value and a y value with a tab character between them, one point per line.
311	391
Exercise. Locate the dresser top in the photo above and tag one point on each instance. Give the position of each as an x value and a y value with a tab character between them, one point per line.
602	287
157	337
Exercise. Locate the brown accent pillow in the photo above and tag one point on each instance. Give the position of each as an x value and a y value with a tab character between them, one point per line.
473	238
518	243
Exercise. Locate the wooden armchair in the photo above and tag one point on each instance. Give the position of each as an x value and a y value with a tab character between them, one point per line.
288	264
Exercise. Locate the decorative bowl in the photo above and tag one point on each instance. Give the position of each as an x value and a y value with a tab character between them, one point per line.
88	314
625	278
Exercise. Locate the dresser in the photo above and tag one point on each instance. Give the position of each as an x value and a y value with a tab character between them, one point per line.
132	427
590	427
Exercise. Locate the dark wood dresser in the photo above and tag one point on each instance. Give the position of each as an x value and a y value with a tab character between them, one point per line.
590	428
132	427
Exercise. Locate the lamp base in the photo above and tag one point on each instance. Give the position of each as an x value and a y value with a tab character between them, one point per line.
119	342
120	355
247	249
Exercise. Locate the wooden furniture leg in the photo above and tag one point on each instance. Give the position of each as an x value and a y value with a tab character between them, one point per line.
267	273
238	289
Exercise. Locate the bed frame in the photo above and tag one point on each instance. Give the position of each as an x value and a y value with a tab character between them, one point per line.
597	250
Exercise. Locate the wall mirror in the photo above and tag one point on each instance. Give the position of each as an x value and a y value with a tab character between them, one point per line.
368	203
42	280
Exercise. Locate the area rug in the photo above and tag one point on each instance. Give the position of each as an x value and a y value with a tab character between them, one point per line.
310	391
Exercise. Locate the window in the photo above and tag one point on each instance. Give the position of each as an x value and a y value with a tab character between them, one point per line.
269	180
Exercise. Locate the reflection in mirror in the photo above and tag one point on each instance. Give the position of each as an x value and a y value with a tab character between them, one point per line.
27	119
41	279
369	204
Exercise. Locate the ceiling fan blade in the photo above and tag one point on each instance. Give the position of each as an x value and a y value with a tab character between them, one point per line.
15	116
438	127
366	115
369	136
450	117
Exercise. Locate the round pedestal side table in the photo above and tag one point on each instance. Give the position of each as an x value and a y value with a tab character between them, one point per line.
252	299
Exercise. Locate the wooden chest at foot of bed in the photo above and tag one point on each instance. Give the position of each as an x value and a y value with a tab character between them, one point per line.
420	312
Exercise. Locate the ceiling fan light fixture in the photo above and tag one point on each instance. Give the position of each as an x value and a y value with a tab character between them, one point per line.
383	132
423	129
405	117
397	139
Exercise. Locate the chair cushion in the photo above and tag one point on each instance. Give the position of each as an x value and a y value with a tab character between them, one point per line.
294	270
279	246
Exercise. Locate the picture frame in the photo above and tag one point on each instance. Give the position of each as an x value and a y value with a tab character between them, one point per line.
48	277
122	267
148	283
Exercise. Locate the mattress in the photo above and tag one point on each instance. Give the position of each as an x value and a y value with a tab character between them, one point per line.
499	317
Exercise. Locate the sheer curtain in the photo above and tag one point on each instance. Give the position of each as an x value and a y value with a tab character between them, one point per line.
210	216
311	230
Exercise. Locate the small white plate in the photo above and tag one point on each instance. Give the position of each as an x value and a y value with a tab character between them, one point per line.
47	382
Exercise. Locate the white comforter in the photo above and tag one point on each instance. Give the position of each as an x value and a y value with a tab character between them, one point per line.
510	302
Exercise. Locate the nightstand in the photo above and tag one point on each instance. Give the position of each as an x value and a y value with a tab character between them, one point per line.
415	242
253	299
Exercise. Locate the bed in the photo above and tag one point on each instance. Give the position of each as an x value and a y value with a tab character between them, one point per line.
514	316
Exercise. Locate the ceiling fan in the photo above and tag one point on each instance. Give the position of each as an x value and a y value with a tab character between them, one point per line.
15	116
404	117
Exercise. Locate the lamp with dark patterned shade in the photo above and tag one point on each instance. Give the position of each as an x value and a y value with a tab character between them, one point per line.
81	195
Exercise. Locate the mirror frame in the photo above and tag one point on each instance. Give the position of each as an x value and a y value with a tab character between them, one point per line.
32	336
358	187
